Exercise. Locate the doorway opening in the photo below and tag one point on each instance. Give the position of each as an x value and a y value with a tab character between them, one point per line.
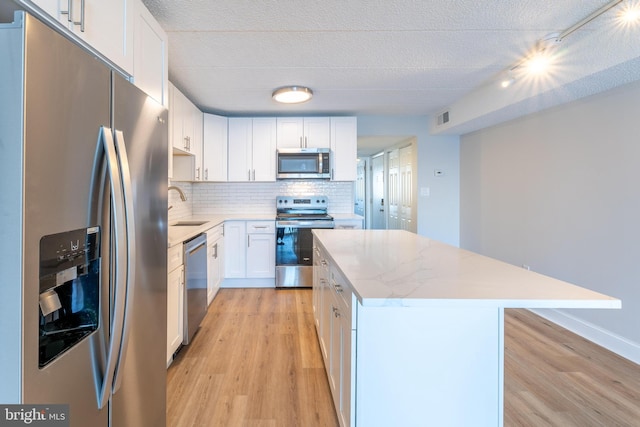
386	185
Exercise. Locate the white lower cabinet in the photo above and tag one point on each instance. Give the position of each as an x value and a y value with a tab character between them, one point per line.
250	248
175	300
215	263
334	319
347	224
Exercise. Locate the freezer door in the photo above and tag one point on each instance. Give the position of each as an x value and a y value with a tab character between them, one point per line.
66	101
141	124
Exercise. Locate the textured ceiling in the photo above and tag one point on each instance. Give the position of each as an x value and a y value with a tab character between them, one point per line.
363	57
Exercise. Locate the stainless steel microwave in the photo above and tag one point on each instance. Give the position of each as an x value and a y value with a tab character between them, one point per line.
309	163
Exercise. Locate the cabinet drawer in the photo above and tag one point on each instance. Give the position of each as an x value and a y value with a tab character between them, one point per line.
174	258
342	289
266	227
215	233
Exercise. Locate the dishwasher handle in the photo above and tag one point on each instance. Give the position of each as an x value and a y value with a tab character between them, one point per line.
197	245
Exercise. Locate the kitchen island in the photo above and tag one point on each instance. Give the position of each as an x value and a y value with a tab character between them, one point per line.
412	329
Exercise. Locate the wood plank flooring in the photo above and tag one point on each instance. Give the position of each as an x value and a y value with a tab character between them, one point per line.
556	378
256	363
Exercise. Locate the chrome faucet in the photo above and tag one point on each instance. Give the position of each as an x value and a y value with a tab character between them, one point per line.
182	196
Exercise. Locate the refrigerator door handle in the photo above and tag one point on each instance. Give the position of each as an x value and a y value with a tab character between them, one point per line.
120	272
130	235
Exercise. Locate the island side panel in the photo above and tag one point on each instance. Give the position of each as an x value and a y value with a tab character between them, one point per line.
440	366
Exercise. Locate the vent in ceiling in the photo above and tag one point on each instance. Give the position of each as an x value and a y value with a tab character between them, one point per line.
443	118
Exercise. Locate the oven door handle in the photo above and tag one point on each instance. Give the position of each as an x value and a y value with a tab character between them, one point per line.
305	224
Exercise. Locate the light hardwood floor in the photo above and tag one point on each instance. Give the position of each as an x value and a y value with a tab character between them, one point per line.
256	362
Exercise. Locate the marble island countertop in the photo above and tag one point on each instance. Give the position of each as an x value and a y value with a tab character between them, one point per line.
399	268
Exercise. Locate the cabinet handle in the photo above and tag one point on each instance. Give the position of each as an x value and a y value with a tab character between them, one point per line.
206	174
306	143
198	174
81	22
254	175
301	145
215	251
249	178
69	11
248	241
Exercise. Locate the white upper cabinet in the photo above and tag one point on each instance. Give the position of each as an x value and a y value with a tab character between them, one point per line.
107	26
264	149
214	150
185	136
150	69
252	149
304	132
344	147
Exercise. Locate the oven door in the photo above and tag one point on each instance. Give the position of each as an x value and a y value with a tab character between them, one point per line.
294	252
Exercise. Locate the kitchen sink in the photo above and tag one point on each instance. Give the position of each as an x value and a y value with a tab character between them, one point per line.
188	223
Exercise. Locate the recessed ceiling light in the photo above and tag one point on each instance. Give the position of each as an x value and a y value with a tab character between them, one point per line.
292	94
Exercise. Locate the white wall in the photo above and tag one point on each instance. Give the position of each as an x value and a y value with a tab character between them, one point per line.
438	213
559	191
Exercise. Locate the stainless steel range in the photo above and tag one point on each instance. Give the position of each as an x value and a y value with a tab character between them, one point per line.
296	217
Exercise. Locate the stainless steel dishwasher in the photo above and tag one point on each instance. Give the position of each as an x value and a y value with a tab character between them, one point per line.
195	273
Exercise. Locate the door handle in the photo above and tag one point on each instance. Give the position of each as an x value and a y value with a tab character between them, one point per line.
130	234
120	276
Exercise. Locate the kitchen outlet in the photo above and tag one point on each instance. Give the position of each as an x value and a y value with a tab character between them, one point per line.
425	191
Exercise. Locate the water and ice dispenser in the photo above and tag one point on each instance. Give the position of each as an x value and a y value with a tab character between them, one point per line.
69	290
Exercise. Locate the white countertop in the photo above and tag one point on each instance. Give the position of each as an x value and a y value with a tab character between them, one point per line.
179	234
399	268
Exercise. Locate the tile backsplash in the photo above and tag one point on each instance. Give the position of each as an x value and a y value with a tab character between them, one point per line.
212	198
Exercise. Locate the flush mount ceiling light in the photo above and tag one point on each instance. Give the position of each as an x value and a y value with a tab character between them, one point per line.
292	94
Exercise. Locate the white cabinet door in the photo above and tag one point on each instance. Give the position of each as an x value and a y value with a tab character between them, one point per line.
307	132
177	106
150	55
215	247
175	309
317	132
252	149
106	26
196	140
235	242
214	148
347	224
261	257
344	147
290	132
263	149
240	137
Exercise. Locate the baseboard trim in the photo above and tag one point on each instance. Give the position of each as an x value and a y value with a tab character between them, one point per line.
619	345
249	283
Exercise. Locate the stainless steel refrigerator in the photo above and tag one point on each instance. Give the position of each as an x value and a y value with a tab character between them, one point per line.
83	233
